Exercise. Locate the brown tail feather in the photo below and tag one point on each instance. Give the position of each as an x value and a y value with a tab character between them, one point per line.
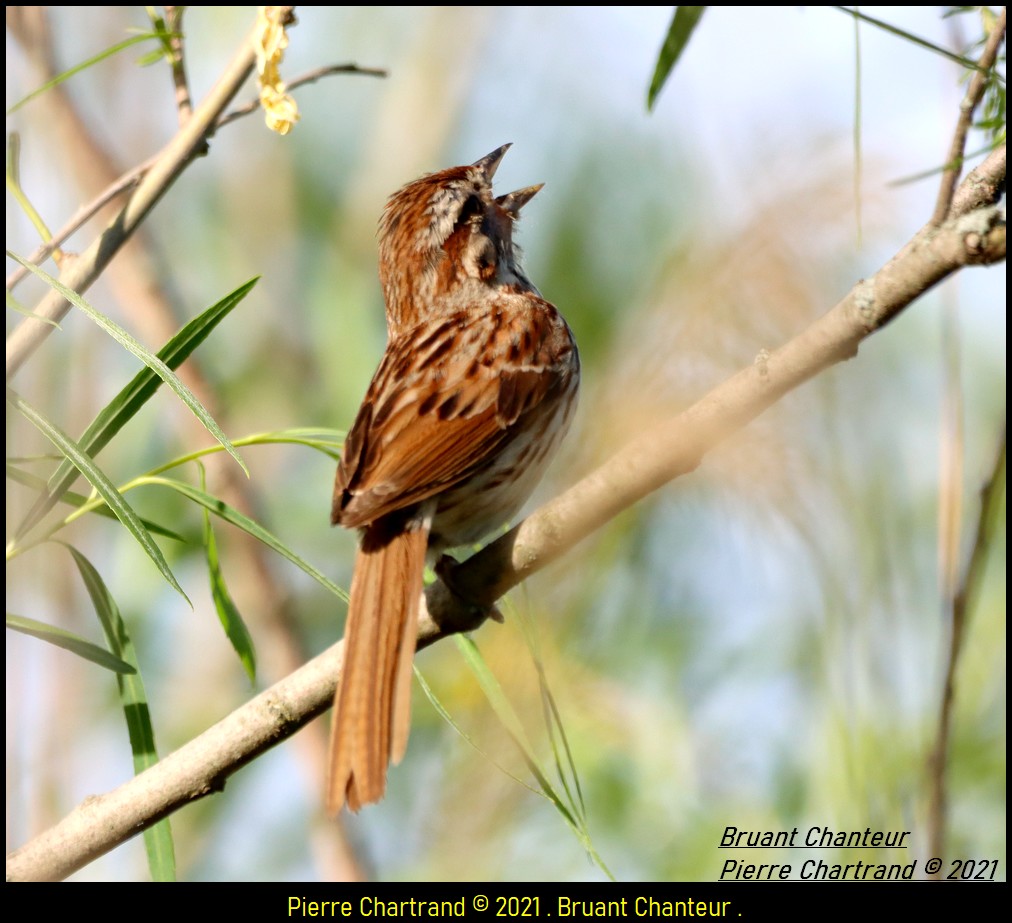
372	708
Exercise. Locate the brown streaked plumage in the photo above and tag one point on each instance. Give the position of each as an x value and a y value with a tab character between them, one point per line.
473	395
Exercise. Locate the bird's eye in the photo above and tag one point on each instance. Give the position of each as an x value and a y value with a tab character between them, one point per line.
470	208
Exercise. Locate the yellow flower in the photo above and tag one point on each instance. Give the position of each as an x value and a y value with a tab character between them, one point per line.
270	42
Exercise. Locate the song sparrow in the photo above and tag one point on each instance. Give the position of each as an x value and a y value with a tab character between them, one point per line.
472	397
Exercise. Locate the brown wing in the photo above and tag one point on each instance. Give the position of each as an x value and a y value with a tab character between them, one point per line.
446	398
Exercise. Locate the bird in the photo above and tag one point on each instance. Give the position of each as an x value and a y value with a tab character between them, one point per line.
474	393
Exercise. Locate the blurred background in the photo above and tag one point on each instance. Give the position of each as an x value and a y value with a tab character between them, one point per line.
761	644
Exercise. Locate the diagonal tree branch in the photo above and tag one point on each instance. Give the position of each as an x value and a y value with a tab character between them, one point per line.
975	235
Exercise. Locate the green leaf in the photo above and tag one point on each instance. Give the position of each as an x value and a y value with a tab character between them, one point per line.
69	642
448	718
133	397
151	57
934	171
910	37
228	613
570	812
683	23
14	305
157	838
67	74
78	500
233	516
321	438
106	489
147	357
511	722
504	711
17	193
565	769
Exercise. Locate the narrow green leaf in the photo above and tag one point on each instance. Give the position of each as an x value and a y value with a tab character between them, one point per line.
571	813
910	37
553	718
14	305
228	613
14	159
326	441
233	516
67	74
151	57
133	397
934	171
71	498
157	838
683	23
18	194
106	489
448	718
505	713
556	729
69	642
147	357
323	439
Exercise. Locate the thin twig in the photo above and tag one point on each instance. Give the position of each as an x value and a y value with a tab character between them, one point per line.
84	214
962	603
974	94
309	77
133	176
174	24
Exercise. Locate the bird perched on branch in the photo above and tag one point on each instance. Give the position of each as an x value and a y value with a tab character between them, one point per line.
471	399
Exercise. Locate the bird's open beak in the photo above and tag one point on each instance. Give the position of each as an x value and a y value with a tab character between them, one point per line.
512	202
490	162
